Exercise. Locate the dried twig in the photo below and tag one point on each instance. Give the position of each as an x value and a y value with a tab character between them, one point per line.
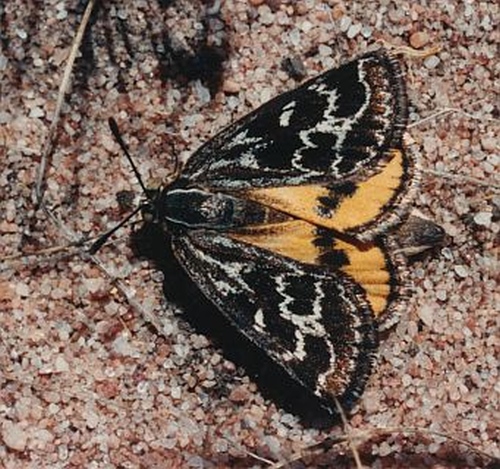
63	89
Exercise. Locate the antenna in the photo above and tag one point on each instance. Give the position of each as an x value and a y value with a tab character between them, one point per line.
99	243
116	133
103	238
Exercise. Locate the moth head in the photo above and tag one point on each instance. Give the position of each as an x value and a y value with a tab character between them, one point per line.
150	206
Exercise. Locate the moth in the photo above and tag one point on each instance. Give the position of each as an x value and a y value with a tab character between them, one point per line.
281	220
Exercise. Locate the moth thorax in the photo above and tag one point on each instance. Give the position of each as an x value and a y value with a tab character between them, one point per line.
197	208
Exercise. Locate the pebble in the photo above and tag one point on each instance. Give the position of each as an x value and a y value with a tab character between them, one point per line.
431	62
426	314
325	51
36	113
488	143
306	26
122	14
93	285
14	436
338	12
231	87
21	33
419	39
441	295
266	15
61	364
366	32
483	218
345	23
353	30
202	91
176	392
22	290
461	271
239	394
62	15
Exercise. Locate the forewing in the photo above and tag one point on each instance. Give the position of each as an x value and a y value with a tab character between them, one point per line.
342	122
362	207
314	322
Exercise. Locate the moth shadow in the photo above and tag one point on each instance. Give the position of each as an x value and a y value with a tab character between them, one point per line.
152	243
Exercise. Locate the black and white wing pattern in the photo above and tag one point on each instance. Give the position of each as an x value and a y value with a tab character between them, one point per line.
330	151
329	128
315	323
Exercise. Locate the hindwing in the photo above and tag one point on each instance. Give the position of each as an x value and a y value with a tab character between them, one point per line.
316	323
367	264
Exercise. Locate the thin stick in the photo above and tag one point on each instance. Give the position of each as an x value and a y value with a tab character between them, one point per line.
448	110
63	89
410	51
350	441
479	182
364	436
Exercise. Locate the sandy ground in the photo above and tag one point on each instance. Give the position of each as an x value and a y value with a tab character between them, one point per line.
85	381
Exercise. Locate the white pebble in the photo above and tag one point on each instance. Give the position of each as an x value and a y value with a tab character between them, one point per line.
483	218
489	143
91	419
122	346
461	271
175	392
36	112
122	14
345	23
21	33
354	30
325	51
294	37
14	436
61	15
61	364
441	295
93	285
22	290
432	61
306	26
366	32
426	314
202	91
